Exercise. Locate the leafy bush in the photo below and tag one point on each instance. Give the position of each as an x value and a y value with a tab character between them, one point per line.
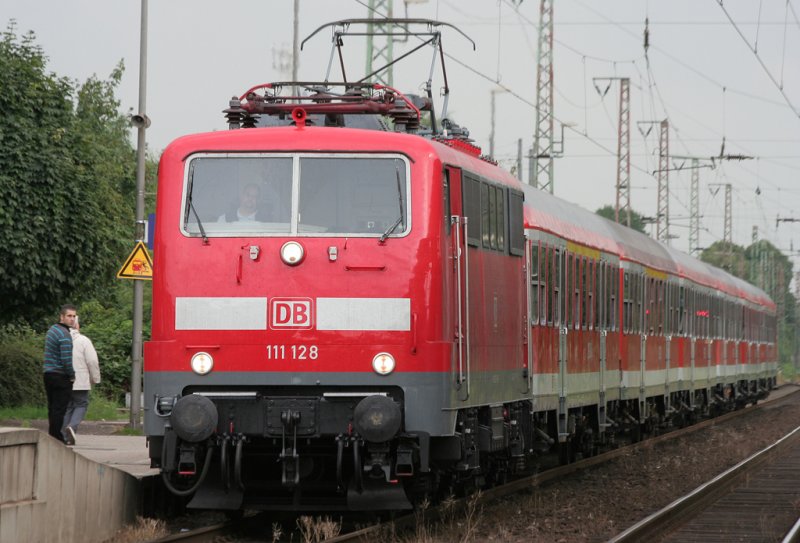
107	321
21	352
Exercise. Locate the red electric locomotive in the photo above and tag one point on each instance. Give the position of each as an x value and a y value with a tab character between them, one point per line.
350	312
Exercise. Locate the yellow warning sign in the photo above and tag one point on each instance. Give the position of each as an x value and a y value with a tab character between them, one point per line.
138	266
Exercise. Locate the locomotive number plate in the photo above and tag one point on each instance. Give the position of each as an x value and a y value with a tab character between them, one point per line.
292	352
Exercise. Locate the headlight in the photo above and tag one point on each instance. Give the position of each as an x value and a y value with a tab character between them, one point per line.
292	253
202	363
383	363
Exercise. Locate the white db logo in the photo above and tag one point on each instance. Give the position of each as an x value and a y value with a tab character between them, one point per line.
296	313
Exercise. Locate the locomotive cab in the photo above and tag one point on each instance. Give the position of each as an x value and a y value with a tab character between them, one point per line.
289	294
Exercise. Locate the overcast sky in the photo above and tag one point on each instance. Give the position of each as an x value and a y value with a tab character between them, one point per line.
703	76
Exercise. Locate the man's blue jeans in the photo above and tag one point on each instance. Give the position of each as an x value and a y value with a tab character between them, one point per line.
76	410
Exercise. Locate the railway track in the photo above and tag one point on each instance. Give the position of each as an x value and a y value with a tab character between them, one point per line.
756	500
539	479
407	521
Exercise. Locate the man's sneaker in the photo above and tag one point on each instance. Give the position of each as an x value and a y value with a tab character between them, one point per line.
70	436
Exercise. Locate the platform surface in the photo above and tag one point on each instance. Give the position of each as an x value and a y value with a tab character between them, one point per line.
128	453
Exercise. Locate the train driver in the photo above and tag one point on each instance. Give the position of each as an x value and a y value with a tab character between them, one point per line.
248	208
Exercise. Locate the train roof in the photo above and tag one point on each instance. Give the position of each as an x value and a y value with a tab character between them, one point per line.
565	219
543	211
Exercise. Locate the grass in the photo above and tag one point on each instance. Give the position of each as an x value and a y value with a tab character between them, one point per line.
100	408
144	529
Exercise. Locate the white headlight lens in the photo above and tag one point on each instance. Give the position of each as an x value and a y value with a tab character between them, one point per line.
383	363
202	363
292	253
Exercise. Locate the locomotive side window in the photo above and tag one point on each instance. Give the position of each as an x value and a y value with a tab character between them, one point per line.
493	218
471	190
492	193
500	216
516	225
486	217
446	199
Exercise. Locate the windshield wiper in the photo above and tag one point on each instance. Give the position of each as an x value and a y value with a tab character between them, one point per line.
399	220
191	206
390	229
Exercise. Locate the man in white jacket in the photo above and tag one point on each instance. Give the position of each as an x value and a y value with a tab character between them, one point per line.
87	371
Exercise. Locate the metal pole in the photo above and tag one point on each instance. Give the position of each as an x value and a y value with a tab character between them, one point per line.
138	285
491	131
519	159
295	46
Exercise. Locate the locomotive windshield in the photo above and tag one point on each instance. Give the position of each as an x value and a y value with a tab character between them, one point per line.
299	195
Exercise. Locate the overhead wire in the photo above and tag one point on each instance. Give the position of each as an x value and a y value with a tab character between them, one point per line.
680	62
760	60
585	135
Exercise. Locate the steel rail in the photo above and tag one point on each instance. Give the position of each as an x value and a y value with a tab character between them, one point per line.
538	479
209	533
683	509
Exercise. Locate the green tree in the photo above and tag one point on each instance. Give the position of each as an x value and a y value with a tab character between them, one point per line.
729	257
637	220
66	182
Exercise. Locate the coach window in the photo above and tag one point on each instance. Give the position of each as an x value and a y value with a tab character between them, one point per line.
625	302
638	323
650	298
588	282
599	266
544	283
612	285
567	285
667	315
563	290
576	289
580	271
553	275
660	305
590	293
742	322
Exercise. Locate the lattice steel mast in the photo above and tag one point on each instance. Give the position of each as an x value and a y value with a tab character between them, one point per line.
542	159
380	43
694	208
662	215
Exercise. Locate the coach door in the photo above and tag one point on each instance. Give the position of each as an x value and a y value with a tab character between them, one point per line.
457	231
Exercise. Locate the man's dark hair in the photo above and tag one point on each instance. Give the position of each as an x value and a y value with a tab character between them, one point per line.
67	307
